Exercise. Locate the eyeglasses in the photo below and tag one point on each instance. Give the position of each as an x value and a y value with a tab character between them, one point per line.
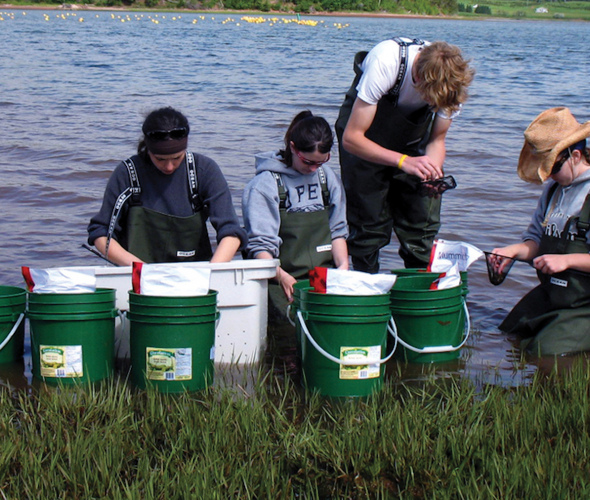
311	163
162	135
559	163
436	187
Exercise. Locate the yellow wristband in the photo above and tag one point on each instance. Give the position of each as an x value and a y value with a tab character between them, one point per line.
401	161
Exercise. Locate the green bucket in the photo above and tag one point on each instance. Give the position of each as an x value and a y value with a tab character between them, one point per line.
12	326
432	325
413	292
172	353
100	301
72	348
165	306
433	276
345	305
341	354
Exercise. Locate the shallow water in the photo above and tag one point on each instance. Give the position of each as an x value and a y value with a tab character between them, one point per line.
76	86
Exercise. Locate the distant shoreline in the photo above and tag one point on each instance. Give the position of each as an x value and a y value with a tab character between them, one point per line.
443	17
83	7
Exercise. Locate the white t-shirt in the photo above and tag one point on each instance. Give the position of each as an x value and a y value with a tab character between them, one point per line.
380	71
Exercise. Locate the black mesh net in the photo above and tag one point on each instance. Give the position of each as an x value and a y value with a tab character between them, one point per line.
498	267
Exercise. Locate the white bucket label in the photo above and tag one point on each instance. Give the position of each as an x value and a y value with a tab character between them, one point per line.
323	248
168	364
361	371
61	361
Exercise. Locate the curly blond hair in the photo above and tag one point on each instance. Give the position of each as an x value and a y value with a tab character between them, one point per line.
443	76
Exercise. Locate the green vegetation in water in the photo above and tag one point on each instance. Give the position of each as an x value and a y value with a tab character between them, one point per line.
443	439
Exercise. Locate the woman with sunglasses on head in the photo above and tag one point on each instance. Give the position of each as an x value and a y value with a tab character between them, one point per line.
553	318
294	208
157	202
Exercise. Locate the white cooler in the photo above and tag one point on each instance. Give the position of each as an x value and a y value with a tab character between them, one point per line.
242	302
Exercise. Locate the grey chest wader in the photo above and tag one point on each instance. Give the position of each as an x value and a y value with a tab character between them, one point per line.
378	196
156	237
557	311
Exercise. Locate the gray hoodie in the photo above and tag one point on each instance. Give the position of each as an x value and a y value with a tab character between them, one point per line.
565	202
260	202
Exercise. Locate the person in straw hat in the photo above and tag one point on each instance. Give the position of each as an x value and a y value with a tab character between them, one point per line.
553	318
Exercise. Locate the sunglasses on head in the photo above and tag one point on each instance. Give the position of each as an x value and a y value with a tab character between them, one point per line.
311	163
162	135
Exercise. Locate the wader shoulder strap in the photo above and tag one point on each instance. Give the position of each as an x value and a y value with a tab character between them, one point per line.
133	192
584	219
403	66
191	170
283	191
582	222
324	185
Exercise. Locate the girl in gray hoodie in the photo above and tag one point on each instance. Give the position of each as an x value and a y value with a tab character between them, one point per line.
295	209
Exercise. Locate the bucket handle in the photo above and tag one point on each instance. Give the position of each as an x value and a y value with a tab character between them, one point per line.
442	348
13	331
122	313
289	315
391	328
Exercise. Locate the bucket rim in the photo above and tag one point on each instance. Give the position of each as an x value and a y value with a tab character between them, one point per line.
9	291
209	294
34	316
98	296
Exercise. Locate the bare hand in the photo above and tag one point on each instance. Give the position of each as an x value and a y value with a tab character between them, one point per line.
551	263
422	167
286	281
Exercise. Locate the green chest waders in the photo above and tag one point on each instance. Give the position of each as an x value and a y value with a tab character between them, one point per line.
381	198
306	237
156	237
554	317
306	243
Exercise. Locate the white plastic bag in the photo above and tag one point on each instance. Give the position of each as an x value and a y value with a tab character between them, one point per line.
340	282
170	280
448	279
60	280
446	254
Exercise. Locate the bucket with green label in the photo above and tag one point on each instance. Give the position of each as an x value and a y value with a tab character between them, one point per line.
172	341
76	346
343	354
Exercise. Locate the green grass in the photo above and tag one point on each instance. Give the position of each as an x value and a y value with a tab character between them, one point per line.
442	439
523	9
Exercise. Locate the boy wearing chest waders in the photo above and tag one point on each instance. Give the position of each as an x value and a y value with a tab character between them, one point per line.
392	128
294	209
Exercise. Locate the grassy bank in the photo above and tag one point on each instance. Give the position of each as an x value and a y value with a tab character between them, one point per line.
523	9
440	440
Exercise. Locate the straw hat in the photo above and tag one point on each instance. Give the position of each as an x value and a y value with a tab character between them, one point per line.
548	135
